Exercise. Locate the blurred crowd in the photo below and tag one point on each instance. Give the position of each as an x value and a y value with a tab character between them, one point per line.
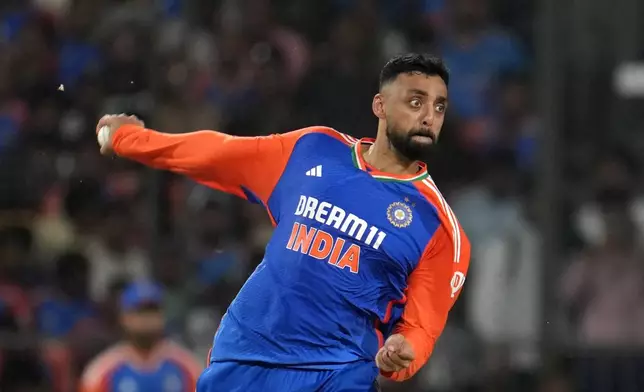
76	227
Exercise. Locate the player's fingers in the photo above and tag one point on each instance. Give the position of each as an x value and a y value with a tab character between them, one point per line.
406	354
383	362
397	360
106	150
390	363
379	363
105	120
135	120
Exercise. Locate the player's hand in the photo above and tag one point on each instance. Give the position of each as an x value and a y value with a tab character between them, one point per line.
114	122
395	355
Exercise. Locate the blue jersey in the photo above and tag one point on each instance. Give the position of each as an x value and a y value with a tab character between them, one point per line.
56	318
168	368
356	254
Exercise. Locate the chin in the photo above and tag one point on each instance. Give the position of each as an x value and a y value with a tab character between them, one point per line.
418	152
422	147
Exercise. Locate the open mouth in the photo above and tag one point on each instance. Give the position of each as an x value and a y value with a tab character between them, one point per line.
425	138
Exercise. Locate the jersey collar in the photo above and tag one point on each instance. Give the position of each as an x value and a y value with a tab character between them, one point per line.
360	163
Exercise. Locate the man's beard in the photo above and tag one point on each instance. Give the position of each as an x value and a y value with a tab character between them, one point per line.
143	341
405	145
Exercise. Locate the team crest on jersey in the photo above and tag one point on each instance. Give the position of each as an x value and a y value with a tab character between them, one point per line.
399	214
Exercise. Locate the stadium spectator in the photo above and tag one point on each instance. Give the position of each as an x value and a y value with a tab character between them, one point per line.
145	360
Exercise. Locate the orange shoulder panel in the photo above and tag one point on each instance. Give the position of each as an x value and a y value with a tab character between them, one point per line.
186	361
96	376
434	285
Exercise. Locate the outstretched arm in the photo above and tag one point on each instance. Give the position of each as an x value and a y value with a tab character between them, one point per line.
433	288
248	167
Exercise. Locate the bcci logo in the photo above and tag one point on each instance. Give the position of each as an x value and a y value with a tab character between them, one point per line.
399	214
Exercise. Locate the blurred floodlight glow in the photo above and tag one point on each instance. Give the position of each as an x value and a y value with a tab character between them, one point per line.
628	80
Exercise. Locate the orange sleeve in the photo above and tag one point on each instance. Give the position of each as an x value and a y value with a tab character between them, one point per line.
228	163
85	385
433	287
97	375
90	388
192	368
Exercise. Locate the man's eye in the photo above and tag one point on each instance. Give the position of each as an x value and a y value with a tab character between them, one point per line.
440	108
416	103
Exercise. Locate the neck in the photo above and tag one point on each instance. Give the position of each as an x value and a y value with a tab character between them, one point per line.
383	157
145	349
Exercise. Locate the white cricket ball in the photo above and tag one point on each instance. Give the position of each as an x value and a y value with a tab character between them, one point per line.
103	135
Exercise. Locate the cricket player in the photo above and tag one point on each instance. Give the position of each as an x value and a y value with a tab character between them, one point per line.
366	259
145	361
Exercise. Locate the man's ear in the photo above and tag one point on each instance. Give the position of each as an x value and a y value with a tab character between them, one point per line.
378	106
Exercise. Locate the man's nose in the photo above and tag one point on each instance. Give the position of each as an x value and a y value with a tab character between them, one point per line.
428	118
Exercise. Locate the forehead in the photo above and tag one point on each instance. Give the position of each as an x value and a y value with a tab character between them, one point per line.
431	85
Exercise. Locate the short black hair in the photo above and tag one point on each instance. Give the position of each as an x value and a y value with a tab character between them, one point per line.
414	62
